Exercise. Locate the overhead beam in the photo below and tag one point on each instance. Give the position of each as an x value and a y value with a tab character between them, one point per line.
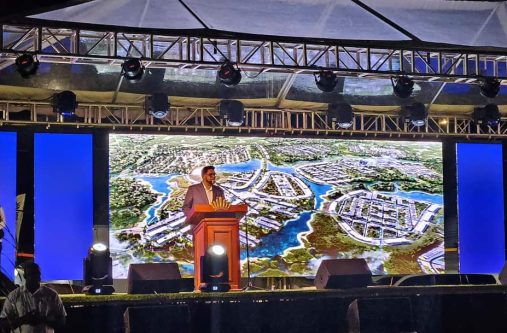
359	58
258	121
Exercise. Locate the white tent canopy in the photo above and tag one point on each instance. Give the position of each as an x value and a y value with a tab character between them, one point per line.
451	22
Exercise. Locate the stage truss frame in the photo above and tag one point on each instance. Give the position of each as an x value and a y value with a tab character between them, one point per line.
258	121
204	49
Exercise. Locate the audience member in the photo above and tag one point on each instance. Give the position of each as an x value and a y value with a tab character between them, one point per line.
32	308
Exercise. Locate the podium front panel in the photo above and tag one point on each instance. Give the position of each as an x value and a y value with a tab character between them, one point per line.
223	231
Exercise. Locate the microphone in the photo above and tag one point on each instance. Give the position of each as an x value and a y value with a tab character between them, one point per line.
225	189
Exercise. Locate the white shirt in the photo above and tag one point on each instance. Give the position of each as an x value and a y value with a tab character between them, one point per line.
209	193
45	301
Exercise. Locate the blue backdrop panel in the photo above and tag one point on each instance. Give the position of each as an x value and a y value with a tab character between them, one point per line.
63	203
480	208
8	199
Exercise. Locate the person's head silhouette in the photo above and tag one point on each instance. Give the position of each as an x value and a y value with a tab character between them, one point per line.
32	276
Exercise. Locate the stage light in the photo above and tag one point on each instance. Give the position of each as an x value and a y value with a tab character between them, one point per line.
489	87
65	103
415	113
232	111
98	271
488	115
217	250
26	65
326	81
99	247
132	70
229	75
215	270
157	105
341	114
403	86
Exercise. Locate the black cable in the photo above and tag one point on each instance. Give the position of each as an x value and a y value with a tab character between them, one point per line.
249	283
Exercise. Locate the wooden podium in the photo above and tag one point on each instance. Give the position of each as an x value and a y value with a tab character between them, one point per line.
217	227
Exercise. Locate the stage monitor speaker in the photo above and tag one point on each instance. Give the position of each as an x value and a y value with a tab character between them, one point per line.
343	273
152	319
153	278
386	280
380	315
450	279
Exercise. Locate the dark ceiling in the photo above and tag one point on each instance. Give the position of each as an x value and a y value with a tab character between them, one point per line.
22	8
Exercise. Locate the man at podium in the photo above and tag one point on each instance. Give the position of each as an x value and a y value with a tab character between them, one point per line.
203	193
214	222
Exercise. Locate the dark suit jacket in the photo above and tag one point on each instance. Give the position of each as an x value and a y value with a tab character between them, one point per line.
196	194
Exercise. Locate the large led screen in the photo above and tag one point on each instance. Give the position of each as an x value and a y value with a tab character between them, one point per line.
309	200
63	183
480	207
8	141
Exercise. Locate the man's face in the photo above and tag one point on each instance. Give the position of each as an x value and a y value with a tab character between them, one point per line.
32	278
210	176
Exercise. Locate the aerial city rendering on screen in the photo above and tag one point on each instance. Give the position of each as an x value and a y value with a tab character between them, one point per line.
309	199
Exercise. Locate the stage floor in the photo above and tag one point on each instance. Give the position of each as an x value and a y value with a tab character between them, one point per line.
432	309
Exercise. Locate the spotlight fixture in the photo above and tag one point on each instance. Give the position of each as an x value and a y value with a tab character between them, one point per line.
232	111
97	271
415	113
157	105
341	114
489	87
132	69
403	86
99	247
26	65
65	103
488	115
215	270
326	81
228	74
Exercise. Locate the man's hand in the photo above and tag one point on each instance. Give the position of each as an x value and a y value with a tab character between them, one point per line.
31	318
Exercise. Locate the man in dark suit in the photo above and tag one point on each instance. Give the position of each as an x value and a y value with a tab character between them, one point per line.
203	193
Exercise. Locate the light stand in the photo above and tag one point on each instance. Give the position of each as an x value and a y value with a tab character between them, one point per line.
249	283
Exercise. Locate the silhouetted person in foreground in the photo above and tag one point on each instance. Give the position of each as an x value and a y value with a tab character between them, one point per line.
32	308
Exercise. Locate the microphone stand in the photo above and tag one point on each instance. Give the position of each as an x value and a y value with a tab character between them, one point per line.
249	284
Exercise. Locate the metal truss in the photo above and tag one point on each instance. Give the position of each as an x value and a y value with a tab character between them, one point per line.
258	121
254	54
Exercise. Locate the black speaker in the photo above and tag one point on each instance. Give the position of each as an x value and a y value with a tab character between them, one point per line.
343	273
166	318
446	280
153	278
380	315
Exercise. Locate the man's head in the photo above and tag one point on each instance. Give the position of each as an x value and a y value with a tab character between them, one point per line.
208	175
31	273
